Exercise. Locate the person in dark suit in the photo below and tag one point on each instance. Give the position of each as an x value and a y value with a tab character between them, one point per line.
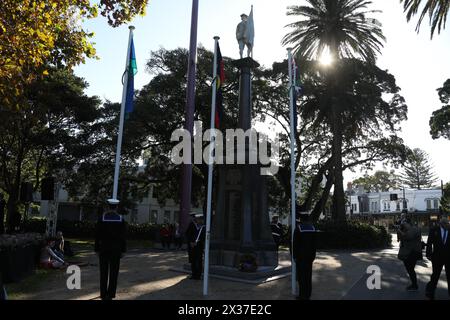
195	235
110	245
304	252
438	251
410	251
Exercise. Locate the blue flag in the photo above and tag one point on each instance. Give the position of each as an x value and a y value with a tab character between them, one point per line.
297	89
130	73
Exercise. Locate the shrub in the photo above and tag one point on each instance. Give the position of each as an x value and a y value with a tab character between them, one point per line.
86	229
347	235
146	231
35	225
333	235
352	235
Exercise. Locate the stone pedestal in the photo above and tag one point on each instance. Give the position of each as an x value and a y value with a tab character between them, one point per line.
241	222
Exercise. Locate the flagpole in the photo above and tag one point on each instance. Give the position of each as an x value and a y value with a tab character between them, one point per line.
186	181
122	118
293	197
210	170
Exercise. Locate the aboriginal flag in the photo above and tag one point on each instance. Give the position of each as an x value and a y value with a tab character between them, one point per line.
219	84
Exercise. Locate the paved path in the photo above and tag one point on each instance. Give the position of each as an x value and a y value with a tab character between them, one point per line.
337	275
394	280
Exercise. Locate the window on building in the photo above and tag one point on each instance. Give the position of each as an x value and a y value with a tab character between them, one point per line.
153	218
167	216
374	207
428	204
406	203
398	206
134	216
176	215
387	206
436	204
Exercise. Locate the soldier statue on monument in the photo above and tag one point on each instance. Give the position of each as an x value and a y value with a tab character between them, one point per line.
245	34
241	230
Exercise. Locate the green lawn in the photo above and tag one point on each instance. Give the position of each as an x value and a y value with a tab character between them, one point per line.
81	247
18	290
88	244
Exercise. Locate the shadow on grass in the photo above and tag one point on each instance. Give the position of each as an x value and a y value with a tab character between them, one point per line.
30	284
88	244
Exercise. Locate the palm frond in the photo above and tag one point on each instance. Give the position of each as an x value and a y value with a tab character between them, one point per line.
341	25
436	10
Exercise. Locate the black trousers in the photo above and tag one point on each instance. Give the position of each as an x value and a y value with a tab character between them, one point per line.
410	265
165	241
304	278
178	242
196	261
437	269
109	272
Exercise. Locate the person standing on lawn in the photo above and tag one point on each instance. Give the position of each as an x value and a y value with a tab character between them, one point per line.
196	239
438	252
110	245
410	250
304	252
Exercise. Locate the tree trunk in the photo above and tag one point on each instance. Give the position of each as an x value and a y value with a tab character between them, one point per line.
320	205
339	195
338	212
284	177
12	208
315	184
11	220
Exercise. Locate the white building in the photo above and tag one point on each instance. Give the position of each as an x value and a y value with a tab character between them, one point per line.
146	211
378	203
150	211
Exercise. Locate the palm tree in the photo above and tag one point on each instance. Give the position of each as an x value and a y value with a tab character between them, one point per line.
341	26
437	11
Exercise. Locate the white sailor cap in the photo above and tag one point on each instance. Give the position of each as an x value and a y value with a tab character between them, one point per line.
113	201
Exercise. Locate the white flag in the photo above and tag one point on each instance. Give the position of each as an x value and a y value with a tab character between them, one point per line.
250	29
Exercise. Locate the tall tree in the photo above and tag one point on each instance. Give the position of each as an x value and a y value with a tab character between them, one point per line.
37	137
436	10
445	200
121	11
380	181
341	26
418	171
157	114
38	33
373	109
440	120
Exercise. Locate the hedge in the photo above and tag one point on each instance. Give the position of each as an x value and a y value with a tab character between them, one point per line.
348	235
352	235
86	229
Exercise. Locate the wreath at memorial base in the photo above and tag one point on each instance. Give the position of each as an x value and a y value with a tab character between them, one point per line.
248	263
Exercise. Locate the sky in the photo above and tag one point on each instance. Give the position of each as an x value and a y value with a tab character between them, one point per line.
419	64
